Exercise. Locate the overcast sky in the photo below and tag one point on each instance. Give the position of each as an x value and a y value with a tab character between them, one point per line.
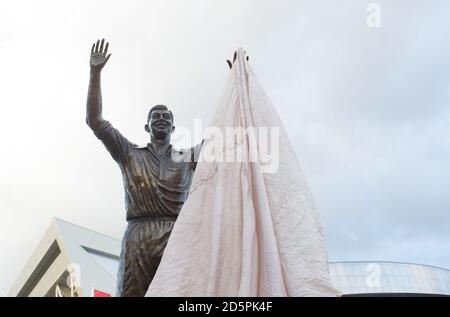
367	109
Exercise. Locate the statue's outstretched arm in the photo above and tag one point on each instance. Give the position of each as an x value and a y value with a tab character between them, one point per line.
94	100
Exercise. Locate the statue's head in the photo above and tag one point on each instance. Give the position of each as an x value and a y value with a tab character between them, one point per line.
160	122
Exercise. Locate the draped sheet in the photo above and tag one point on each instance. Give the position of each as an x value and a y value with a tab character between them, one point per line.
246	230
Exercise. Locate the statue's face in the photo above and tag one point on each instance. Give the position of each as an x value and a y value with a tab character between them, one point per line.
160	124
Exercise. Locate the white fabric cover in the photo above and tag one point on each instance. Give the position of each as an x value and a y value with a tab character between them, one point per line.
242	232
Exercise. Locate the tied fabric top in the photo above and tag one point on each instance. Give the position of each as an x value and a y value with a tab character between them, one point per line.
155	185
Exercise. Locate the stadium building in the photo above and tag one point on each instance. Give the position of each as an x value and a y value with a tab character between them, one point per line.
74	261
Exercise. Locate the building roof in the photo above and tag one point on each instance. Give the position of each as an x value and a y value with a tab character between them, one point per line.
68	247
383	277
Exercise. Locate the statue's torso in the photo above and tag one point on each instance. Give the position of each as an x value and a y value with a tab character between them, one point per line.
155	185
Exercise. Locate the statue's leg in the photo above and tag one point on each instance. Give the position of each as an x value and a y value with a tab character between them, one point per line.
123	274
141	254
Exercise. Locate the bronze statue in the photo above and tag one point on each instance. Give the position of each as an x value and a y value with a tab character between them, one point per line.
156	179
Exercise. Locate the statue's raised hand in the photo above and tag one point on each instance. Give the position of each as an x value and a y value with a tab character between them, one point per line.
98	55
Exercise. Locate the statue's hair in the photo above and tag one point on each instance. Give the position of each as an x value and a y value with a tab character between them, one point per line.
158	107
